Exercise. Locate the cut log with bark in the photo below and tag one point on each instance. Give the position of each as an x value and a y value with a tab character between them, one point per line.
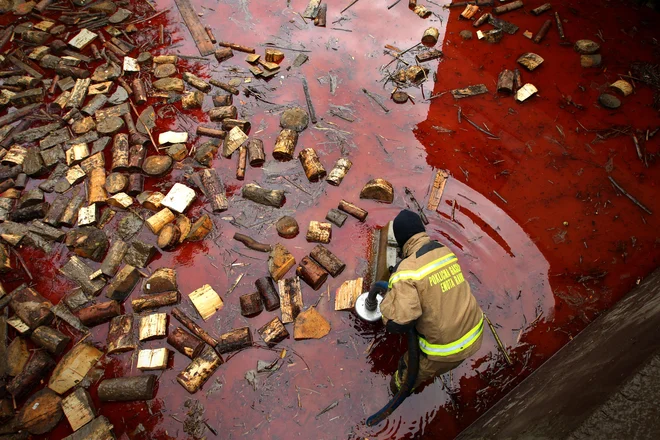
353	210
233	141
234	340
158	300
218	114
31	307
79	271
505	81
153	359
96	192
35	370
123	283
99	428
169	237
79	409
188	322
311	273
114	258
5	259
88	215
70	214
214	190
280	261
251	243
285	144
22	215
120	152
291	300
206	301
127	389
211	132
319	232
228	124
200	228
273	332
541	9
251	304
336	217
437	189
185	343
268	292
199	370
287	227
348	293
162	280
543	31
41	412
88	242
339	171
135	184
256	155
160	219
311	165
153	326
508	7
121	336
99	313
263	196
136	155
378	189
242	163
52	340
327	260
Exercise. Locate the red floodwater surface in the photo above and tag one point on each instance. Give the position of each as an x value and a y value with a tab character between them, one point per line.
559	247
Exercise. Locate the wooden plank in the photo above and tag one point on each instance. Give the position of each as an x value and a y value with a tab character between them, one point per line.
153	359
347	294
291	301
195	27
73	367
206	301
153	326
439	183
78	408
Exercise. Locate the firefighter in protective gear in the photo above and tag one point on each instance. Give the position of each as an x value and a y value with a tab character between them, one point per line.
429	292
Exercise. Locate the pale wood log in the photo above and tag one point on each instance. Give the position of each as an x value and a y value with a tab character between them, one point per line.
242	163
327	260
206	301
285	144
153	359
347	294
256	154
378	189
353	210
273	332
121	336
319	232
268	292
70	214
339	171
185	343
184	224
214	190
96	187
126	389
151	302
280	261
311	165
437	189
251	304
233	141
41	412
169	237
18	356
120	152
234	340
79	408
199	370
73	367
52	340
200	228
160	219
99	313
311	273
153	326
257	194
179	198
291	301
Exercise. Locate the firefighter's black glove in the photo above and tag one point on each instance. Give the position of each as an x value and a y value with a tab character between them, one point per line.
379	288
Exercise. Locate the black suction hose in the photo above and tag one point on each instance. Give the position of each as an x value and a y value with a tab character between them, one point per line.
406	388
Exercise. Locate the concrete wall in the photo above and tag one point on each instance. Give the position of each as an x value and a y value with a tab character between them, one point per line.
559	396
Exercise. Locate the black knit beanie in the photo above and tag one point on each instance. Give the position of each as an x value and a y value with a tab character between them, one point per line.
406	224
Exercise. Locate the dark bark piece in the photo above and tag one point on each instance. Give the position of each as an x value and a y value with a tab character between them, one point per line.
234	340
46	231
26	214
428	55
188	322
88	242
123	283
543	31
135	184
223	54
508	7
228	124
17	354
211	132
505	81
199	370
256	154
327	260
152	302
541	9
266	288
257	194
242	163
121	335
35	370
185	343
139	91
50	339
126	389
251	304
31	307
217	114
33	165
336	217
140	254
311	273
273	332
70	214
120	152
223	100
99	313
251	243
80	272
157	166
162	280
353	210
137	155
291	300
116	183
41	412
114	257
280	261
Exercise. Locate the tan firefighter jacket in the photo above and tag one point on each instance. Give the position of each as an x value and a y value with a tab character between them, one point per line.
429	287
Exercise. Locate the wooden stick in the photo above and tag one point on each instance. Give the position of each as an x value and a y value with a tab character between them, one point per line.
632	199
187	321
417	206
346	8
137	115
560	26
252	243
308	98
237	47
373	97
499	342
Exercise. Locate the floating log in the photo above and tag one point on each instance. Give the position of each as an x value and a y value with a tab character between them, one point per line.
255	148
211	132
199	370
114	257
99	313
140	254
99	428
41	412
280	261
508	7
327	260
200	228
530	60
348	293
217	114
28	213
136	155
560	26
50	339
311	165
178	198
291	301
623	87
120	152
123	283
169	237
96	192
251	304
339	171
505	81
320	19
234	340
162	280
437	189
285	144
116	183
336	217
79	409
311	273
126	389
31	307
196	82
153	359
214	190
237	47
251	243
242	163
121	336
541	9
287	227
188	322
257	194
543	31
88	242
184	224
273	332
80	272
310	325
353	210
206	301
185	343
135	184
228	124
319	232
234	139
34	371
153	326
152	302
266	288
160	219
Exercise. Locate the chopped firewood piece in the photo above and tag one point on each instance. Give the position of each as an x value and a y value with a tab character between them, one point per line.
200	228
469	91
285	144
530	61
291	301
255	193
280	261
266	288
162	280
153	359
347	294
78	408
251	304
160	219
274	55
378	189
199	370
73	367
319	232
311	273
185	343
525	92
99	313
31	307
123	283
121	336
41	412
120	200
153	326
179	198
140	254
126	389
206	301
287	227
273	332
17	355
214	190
234	340
82	39
353	210
508	7
310	325
80	272
151	302
50	339
438	188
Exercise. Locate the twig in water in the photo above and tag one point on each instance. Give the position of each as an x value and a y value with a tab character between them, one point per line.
340	29
414	202
486	132
501	198
20	260
468	199
393	4
499	342
238	280
632	199
137	115
407	50
373	97
346	8
310	106
328	408
297	186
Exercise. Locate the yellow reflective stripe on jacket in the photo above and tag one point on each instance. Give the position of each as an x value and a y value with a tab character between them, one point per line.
423	271
456	346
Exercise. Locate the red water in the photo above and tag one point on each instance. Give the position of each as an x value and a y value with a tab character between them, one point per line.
561	249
